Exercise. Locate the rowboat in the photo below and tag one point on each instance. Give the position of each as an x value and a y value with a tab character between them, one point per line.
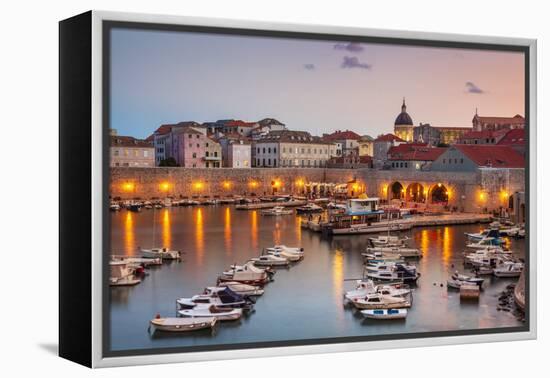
182	324
391	313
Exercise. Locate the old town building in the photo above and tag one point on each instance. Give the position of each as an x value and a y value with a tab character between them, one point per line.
127	151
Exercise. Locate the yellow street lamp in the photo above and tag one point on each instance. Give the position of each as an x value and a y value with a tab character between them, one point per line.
128	186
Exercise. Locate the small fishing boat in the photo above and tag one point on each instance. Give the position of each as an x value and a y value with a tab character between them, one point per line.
383	314
379	301
138	261
239	288
207	311
396	251
219	298
392	271
309	208
163	253
121	274
247	274
457	280
490	232
114	206
277	210
281	248
364	287
485	242
270	260
508	269
182	324
388	241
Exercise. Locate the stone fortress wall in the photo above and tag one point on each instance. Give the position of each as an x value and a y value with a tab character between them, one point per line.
479	191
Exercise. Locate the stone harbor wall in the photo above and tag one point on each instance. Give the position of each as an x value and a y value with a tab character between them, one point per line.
480	191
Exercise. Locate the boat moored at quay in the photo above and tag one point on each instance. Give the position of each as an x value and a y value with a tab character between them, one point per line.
363	216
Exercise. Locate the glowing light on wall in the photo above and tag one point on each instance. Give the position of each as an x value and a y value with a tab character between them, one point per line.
165	186
226	184
276	183
253	184
128	186
198	185
300	182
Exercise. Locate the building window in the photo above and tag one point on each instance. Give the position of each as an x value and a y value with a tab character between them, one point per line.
115	152
198	145
207	153
190	145
263	150
461	161
274	150
194	155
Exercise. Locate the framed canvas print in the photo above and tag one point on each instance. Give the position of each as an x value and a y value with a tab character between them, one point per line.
235	189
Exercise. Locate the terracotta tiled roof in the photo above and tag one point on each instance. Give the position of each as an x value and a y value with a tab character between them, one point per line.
492	156
128	141
388	138
414	152
239	123
166	128
513	137
341	135
517	119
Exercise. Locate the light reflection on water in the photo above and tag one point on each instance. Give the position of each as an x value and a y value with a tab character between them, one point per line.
217	236
129	238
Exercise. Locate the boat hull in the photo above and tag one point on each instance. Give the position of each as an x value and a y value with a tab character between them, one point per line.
182	324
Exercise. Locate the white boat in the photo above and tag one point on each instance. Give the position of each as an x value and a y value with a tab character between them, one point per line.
391	271
457	280
396	251
225	297
121	274
207	311
379	301
239	288
182	324
114	207
137	261
508	269
247	274
364	287
270	260
485	242
483	270
388	241
309	208
277	210
291	254
281	247
391	313
163	253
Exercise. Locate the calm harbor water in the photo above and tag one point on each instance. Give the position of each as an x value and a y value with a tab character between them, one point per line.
304	301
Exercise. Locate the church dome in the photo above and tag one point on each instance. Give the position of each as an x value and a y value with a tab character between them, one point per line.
404	118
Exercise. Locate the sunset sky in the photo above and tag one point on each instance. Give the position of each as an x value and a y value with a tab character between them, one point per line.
316	86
